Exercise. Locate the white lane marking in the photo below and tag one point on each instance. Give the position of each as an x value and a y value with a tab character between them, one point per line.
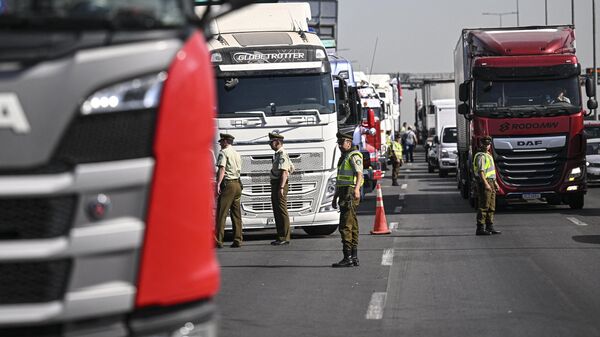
397	209
375	310
403	187
393	226
577	222
407	170
388	257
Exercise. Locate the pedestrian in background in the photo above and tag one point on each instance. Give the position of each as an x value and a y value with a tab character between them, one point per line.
410	142
485	171
282	167
229	191
347	196
395	155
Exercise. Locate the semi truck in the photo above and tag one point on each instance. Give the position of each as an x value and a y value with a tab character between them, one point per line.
105	219
346	93
511	85
273	75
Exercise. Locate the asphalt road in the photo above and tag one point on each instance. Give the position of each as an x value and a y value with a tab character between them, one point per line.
431	277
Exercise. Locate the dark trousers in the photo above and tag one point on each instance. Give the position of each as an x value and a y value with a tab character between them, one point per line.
229	201
486	204
395	169
348	226
280	212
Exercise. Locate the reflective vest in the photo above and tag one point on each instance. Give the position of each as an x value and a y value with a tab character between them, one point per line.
489	169
397	148
345	174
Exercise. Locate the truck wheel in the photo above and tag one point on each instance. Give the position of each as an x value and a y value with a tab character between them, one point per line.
320	230
430	168
443	173
576	201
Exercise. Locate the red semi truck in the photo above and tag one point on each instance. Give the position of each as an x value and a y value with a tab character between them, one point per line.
521	86
106	173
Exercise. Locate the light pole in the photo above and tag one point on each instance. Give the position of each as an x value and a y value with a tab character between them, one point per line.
546	11
500	15
518	13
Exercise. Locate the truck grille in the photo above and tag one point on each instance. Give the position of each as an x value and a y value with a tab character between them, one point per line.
33	282
292	206
36	218
293	188
302	162
99	138
531	168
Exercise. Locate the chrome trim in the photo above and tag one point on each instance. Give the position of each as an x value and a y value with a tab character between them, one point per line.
94	176
104	236
107	298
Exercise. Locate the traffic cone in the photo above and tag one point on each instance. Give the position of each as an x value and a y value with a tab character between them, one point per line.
380	225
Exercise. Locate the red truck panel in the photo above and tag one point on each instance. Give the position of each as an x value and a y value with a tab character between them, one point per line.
178	261
525	41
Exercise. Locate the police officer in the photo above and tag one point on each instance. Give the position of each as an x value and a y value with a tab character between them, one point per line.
347	195
282	167
485	171
395	155
229	191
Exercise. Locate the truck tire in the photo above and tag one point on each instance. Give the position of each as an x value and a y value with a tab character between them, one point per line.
320	230
576	201
443	173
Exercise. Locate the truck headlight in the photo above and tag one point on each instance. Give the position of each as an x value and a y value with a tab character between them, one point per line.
445	154
328	195
135	94
576	173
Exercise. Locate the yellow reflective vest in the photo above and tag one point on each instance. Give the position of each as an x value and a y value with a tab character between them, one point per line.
345	174
489	169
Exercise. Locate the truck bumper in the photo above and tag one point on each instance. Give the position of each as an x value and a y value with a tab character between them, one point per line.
193	319
565	190
330	217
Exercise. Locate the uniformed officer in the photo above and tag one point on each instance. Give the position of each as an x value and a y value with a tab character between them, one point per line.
485	171
282	167
395	155
347	195
229	191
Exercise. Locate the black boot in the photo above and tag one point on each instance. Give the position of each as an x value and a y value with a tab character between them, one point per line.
355	256
481	231
345	262
394	183
490	228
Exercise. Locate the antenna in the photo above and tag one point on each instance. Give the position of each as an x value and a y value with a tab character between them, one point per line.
373	59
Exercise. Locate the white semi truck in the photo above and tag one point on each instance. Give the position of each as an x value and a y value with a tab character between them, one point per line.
273	75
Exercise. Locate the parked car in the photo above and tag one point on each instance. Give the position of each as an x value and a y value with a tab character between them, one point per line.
592	158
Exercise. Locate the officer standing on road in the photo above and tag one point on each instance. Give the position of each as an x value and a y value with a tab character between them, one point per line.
485	170
282	167
395	155
229	191
347	195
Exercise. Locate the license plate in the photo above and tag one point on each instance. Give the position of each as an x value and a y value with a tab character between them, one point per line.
270	221
530	196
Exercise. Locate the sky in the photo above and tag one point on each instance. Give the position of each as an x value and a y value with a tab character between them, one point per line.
419	36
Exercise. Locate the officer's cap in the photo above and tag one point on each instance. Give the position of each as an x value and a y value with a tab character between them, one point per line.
273	135
487	140
226	136
341	135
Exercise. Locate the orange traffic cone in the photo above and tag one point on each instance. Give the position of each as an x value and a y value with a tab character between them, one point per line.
380	225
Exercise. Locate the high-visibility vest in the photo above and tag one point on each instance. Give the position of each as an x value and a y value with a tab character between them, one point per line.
489	169
397	148
345	174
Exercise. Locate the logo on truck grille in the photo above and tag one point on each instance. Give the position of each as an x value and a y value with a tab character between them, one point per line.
12	115
527	126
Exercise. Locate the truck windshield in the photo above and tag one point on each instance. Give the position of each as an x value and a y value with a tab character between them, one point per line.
276	95
365	113
91	14
525	98
449	136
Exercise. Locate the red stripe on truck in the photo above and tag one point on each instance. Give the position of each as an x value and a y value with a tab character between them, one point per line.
178	262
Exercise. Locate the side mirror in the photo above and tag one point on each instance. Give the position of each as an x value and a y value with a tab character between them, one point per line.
463	109
589	88
342	88
592	104
463	91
